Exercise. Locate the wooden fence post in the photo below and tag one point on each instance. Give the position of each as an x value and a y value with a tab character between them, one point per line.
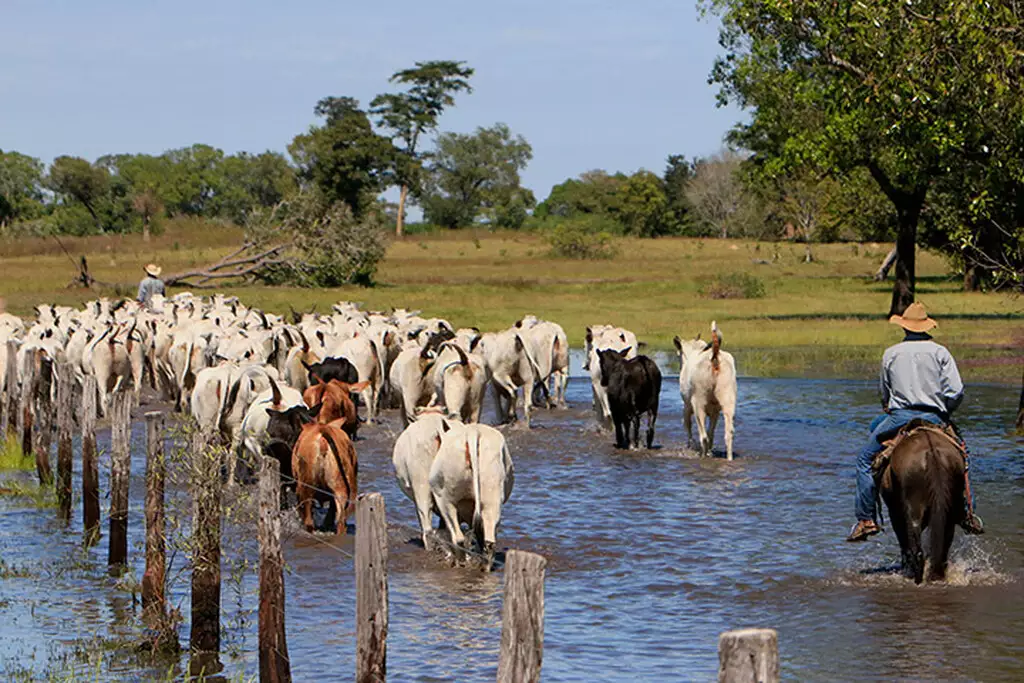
65	427
748	655
522	618
274	664
90	466
120	476
205	485
153	580
28	387
42	409
11	382
371	589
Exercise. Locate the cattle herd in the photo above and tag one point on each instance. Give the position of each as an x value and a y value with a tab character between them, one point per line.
291	389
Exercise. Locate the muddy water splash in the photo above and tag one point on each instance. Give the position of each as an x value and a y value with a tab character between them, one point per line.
651	555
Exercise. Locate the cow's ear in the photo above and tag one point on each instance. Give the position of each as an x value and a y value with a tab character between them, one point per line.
519	323
315	410
625	352
271	412
641	345
445	427
474	343
590	336
678	343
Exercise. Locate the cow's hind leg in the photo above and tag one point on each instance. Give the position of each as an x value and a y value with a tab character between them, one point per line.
450	517
652	417
728	418
305	496
688	422
712	426
635	423
701	418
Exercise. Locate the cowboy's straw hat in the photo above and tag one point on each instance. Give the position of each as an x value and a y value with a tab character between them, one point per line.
915	319
152	270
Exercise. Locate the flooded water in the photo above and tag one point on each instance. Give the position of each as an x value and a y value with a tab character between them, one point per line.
651	555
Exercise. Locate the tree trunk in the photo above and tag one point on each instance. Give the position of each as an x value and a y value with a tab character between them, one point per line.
883	270
974	276
145	228
909	211
808	254
401	210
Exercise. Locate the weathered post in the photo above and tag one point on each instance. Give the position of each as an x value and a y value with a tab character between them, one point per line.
11	382
42	409
522	618
371	589
153	600
28	388
205	485
120	474
274	663
749	655
65	428
90	465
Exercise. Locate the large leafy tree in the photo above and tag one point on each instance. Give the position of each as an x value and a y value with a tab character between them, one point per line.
21	187
595	192
74	179
477	175
908	90
678	173
411	114
345	158
644	209
255	180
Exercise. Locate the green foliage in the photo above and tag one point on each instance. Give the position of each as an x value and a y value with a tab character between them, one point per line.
74	179
586	237
677	177
11	457
643	206
733	286
594	192
329	246
344	158
21	187
475	176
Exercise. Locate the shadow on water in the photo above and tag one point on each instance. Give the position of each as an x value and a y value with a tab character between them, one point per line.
651	554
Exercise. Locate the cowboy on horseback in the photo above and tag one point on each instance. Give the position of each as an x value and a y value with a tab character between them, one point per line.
919	380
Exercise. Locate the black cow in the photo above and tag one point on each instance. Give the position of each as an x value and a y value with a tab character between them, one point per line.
332	368
282	432
633	389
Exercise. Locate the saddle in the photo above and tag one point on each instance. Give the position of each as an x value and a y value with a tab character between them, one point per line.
948	432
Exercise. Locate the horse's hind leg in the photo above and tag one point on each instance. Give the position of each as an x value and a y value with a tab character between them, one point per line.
914	555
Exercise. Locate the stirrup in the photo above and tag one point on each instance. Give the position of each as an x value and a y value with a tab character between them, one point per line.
973	525
865	533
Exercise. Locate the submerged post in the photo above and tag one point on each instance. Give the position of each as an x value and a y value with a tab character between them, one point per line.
9	401
42	409
90	466
371	589
120	474
28	387
205	485
65	428
522	618
749	655
274	664
153	600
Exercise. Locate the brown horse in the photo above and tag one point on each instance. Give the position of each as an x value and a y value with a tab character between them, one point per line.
923	487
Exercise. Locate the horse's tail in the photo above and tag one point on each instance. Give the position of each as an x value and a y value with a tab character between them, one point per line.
946	504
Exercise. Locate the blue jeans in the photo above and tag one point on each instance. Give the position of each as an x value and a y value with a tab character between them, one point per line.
882	427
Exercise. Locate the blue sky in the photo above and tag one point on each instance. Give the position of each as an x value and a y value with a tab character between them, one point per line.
590	84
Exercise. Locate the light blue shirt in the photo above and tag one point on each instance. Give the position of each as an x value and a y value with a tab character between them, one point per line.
147	288
920	374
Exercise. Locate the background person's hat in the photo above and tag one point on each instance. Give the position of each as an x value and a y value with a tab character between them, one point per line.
915	319
152	270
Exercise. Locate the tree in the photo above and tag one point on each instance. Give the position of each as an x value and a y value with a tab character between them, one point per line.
903	89
805	202
21	187
593	193
716	193
344	158
477	175
409	115
75	179
147	205
678	174
195	180
644	210
254	180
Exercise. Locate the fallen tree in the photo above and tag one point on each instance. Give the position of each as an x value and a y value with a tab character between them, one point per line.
303	241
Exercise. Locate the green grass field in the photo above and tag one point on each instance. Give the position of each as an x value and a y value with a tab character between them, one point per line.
819	319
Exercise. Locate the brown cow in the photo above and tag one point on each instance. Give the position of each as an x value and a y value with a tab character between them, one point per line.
335	396
325	466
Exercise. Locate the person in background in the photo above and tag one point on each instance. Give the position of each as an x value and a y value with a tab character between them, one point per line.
150	285
919	379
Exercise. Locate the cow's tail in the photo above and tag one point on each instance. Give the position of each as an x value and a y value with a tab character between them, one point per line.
716	345
335	448
473	450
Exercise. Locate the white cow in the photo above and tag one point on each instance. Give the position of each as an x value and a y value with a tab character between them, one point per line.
253	432
512	366
471	478
361	352
707	385
412	457
460	378
549	347
600	338
411	379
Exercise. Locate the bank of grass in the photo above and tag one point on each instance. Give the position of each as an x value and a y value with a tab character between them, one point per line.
824	318
11	457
